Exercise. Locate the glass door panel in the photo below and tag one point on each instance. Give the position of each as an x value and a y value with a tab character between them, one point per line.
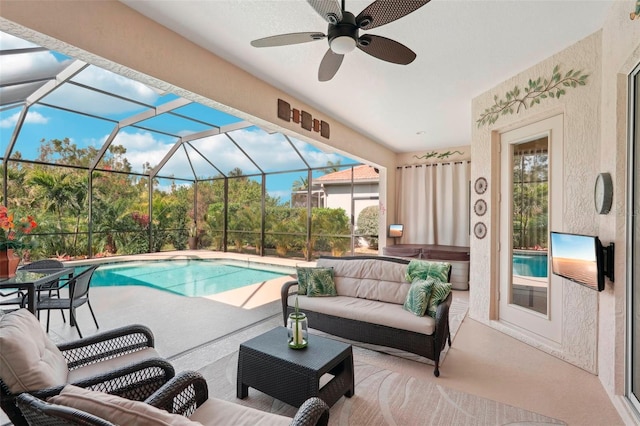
530	228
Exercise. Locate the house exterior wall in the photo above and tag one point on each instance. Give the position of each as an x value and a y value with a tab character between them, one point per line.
595	140
339	196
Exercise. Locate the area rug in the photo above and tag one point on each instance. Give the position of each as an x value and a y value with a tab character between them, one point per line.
384	397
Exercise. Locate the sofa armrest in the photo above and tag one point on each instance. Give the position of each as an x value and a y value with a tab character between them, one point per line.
442	322
313	412
285	292
182	394
108	344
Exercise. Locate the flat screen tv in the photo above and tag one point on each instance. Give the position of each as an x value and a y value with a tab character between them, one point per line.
395	230
579	258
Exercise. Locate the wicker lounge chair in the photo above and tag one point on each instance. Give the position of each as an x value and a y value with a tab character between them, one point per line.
121	361
181	401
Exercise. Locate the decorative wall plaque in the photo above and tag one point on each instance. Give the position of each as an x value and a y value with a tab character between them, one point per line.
480	207
480	186
306	121
480	230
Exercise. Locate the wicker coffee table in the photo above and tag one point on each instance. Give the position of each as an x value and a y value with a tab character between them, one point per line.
267	364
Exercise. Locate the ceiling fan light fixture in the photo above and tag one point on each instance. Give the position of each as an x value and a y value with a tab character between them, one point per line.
342	45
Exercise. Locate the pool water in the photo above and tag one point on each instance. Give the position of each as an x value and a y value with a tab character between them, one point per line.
530	265
189	277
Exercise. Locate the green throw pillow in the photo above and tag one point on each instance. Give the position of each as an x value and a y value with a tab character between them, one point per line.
320	282
439	292
418	296
423	269
303	278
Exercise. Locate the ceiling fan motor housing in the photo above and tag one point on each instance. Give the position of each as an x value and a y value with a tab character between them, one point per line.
345	28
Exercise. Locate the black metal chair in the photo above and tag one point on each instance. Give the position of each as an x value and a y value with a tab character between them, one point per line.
78	295
18	299
51	286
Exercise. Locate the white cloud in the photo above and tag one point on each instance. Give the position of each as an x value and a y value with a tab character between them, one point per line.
33	117
142	147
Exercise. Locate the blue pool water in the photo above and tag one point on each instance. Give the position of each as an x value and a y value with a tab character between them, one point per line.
530	265
192	278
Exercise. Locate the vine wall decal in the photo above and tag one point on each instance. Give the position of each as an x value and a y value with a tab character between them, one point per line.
440	156
514	100
636	13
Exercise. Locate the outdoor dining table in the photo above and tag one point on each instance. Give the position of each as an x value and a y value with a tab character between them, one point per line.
31	280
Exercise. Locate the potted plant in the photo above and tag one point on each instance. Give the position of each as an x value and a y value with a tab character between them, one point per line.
12	236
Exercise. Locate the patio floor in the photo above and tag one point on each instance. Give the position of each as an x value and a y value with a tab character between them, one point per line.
194	332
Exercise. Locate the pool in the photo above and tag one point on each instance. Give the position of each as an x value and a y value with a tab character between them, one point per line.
187	277
530	264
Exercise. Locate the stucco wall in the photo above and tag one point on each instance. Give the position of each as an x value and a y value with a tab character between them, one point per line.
595	140
620	55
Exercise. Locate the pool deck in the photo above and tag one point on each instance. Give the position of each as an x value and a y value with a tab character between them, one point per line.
181	325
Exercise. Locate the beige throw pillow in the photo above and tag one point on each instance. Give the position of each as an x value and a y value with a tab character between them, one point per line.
116	409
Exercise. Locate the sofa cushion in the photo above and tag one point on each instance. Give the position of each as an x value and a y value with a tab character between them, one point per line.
218	412
423	269
418	296
369	279
117	410
371	311
439	292
320	282
29	360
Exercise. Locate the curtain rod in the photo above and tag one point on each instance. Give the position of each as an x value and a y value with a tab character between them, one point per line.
408	166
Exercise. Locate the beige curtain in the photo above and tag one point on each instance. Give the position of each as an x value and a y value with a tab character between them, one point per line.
433	203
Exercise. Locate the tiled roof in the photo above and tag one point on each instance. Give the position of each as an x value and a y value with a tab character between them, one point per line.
363	172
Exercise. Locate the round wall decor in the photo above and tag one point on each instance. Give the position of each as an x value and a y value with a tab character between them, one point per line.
480	230
603	193
480	186
480	207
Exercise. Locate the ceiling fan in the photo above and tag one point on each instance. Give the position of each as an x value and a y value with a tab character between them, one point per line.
343	33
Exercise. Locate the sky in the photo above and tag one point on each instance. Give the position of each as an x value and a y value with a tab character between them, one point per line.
571	246
153	141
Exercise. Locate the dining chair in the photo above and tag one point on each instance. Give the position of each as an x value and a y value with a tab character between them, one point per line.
78	295
50	286
18	299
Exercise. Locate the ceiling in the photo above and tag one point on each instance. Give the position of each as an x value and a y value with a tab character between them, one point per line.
463	47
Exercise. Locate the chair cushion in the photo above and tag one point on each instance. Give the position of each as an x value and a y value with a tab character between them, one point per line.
371	311
29	360
218	412
369	279
117	410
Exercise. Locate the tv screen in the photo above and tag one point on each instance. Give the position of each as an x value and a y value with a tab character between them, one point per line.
578	258
395	230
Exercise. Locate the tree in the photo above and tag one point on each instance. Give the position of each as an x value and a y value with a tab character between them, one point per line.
368	224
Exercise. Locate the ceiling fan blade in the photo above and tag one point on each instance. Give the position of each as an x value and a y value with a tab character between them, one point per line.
386	49
382	12
330	10
329	66
286	39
